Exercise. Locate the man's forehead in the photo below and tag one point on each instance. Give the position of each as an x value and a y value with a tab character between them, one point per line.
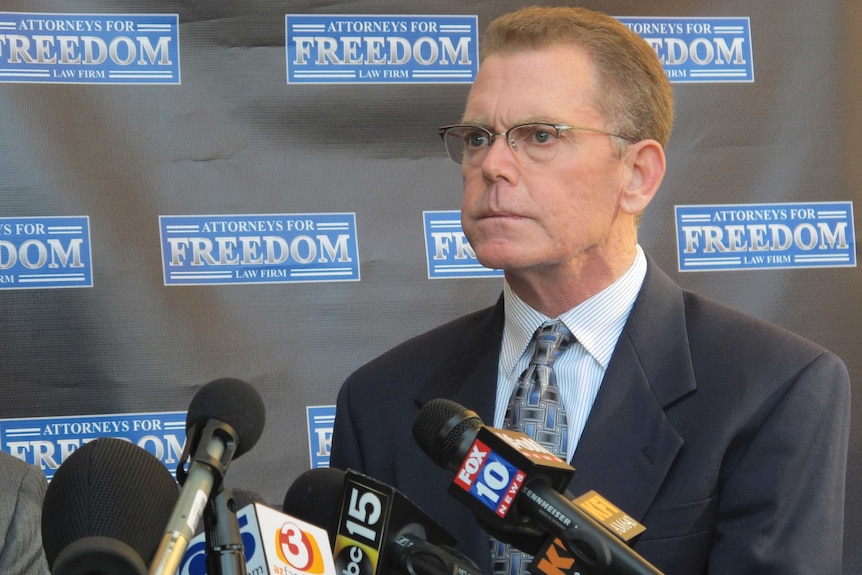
549	84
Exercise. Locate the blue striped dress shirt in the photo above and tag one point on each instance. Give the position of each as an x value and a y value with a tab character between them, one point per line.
596	323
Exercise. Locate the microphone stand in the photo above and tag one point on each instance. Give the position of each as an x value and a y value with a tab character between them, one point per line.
224	549
206	473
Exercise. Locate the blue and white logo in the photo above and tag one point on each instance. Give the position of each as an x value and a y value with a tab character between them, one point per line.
257	249
496	483
49	252
699	49
448	252
46	442
89	48
765	236
321	419
365	49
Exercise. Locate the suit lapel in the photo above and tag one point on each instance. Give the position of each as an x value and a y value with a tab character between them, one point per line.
628	444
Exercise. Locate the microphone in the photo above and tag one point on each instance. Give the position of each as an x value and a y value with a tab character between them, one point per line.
514	487
315	496
273	544
105	509
224	420
374	529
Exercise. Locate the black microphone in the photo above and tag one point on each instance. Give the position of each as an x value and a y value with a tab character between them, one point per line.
315	496
514	487
373	528
105	509
225	419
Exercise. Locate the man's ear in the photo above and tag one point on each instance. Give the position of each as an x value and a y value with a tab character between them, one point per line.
646	165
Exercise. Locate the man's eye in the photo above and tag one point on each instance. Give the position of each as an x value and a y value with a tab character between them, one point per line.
541	136
476	139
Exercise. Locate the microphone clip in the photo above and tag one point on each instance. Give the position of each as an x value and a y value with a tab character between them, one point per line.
203	439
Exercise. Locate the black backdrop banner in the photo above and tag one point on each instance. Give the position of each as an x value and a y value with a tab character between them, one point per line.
194	190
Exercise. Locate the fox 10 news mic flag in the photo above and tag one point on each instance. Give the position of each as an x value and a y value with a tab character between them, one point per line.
105	509
224	420
374	529
274	544
514	487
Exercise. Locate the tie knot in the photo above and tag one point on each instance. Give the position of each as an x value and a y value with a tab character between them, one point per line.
551	340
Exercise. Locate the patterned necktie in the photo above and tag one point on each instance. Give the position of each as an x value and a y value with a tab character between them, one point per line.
536	410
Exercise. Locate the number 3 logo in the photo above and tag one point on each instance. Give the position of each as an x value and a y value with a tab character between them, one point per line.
296	548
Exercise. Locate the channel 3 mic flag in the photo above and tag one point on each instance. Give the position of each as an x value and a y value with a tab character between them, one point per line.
274	543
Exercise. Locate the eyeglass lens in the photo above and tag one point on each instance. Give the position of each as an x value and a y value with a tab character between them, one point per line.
534	143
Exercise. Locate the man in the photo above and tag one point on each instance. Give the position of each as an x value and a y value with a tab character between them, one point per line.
22	490
724	435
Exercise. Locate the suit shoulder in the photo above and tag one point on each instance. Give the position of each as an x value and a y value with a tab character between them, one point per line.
14	472
421	354
703	312
719	330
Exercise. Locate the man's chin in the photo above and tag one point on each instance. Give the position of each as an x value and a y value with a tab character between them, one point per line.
504	249
500	259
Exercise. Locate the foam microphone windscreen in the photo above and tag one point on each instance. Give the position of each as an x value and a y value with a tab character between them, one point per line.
108	490
315	497
231	401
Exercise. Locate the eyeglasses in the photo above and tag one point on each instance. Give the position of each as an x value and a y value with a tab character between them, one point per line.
535	143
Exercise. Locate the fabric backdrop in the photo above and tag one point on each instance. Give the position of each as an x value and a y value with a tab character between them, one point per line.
228	133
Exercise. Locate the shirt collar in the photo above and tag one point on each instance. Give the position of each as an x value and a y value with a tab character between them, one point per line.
596	323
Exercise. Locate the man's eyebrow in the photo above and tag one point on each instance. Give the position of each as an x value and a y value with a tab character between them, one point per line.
520	122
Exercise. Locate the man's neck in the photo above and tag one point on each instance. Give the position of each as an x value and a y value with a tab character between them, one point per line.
554	291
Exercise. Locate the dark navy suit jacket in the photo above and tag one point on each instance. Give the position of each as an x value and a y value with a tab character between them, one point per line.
724	435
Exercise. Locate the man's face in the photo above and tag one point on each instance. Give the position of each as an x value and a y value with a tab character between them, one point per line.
562	216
